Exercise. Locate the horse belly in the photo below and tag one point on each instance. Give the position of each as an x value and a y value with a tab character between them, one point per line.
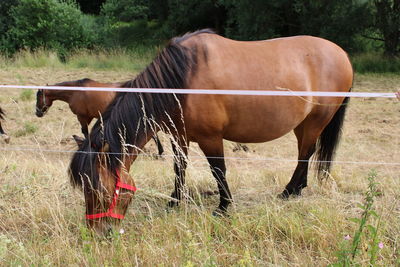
245	119
263	121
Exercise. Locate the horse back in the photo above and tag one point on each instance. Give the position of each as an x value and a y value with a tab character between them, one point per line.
272	63
301	63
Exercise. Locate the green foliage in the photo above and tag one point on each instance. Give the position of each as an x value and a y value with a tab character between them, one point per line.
126	23
125	10
59	25
49	23
192	15
90	6
387	23
339	21
5	24
5	6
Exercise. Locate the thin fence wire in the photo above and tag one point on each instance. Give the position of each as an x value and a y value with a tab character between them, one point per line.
40	150
276	92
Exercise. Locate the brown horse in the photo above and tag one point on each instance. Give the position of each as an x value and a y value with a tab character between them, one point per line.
208	61
3	135
86	105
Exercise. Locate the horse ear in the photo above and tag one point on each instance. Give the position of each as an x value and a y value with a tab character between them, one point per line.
79	140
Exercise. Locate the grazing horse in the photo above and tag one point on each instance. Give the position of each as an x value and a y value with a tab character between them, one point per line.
3	135
86	105
205	60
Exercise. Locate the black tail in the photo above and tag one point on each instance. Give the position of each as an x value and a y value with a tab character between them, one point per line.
328	141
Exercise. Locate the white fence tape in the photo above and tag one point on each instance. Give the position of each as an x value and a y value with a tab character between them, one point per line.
278	92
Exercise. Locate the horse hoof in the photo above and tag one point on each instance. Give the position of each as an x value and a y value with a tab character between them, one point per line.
219	213
172	204
284	195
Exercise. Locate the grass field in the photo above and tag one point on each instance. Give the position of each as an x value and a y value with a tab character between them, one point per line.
42	216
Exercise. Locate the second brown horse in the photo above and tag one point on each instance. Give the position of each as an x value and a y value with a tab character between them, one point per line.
86	105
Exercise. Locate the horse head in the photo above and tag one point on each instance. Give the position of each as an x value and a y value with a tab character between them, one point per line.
43	103
108	190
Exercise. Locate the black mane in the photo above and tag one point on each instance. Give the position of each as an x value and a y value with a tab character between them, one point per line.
2	114
81	82
132	114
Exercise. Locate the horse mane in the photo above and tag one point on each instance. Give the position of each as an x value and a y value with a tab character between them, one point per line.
188	35
80	82
132	114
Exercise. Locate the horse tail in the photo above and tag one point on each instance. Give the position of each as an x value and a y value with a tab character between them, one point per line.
328	141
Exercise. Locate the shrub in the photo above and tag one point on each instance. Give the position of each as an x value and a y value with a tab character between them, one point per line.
50	24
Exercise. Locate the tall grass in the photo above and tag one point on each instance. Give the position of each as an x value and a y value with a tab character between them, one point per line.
98	59
42	216
115	59
375	63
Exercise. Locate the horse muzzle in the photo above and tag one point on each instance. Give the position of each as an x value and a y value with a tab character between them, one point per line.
40	112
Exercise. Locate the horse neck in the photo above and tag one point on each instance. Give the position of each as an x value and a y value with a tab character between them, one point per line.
63	95
132	150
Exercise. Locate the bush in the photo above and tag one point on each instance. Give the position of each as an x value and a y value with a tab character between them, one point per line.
50	24
126	24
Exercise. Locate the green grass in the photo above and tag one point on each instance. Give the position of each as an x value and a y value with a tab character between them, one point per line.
29	128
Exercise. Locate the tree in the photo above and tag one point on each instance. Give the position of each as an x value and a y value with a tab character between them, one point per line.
125	10
341	21
90	6
5	19
387	22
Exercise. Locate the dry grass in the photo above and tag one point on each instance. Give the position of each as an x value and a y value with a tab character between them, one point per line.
41	216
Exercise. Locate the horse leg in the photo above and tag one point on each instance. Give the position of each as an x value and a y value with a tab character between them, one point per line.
84	126
180	163
213	149
159	145
3	135
306	145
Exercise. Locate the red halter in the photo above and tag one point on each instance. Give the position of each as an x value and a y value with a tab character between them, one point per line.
109	212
